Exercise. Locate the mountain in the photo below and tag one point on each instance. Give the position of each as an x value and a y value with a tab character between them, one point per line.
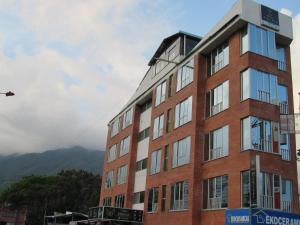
13	167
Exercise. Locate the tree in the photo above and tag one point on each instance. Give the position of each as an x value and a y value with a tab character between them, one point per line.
68	191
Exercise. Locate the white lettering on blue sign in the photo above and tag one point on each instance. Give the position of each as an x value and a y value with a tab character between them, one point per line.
275	220
239	219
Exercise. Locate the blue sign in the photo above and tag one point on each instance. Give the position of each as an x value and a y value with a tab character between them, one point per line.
238	216
273	217
260	217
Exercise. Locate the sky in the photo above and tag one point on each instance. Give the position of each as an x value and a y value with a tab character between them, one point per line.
73	66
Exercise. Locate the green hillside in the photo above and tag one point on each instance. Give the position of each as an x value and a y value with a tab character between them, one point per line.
13	167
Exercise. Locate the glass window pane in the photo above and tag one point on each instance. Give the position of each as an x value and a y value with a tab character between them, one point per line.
246	134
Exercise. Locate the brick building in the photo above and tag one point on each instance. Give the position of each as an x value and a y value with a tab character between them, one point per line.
12	217
201	134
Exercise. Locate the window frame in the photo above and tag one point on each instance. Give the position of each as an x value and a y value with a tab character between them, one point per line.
183	112
155	164
122	175
160	93
158	126
182	192
185	153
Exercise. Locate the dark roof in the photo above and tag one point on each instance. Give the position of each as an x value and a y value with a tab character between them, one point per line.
167	42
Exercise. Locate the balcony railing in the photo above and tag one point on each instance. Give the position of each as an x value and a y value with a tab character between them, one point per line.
216	153
217	66
262	145
285	154
217	108
281	65
284	108
264	96
214	203
286	206
266	201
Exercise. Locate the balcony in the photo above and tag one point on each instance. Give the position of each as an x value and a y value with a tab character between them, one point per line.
281	65
284	108
285	154
266	201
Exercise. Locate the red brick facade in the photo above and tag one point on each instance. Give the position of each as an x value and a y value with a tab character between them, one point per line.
198	170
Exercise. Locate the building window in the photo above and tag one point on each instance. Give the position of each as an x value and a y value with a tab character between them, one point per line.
124	146
146	105
285	147
185	75
141	165
119	201
171	86
127	119
216	143
166	157
246	187
281	58
168	126
155	162
283	99
112	153
153	199
158	127
266	190
179	195
164	198
274	192
217	99
215	192
109	179
115	126
259	134
181	152
183	112
258	40
138	197
143	134
286	202
122	173
107	201
259	86
160	93
218	59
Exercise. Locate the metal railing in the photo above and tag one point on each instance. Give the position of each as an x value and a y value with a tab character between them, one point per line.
216	153
214	203
284	108
217	108
217	66
264	96
281	65
266	201
285	154
263	145
286	206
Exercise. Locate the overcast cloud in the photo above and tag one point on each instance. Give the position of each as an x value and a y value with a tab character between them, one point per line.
73	66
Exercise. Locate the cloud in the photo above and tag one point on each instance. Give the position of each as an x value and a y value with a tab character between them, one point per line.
72	66
286	12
